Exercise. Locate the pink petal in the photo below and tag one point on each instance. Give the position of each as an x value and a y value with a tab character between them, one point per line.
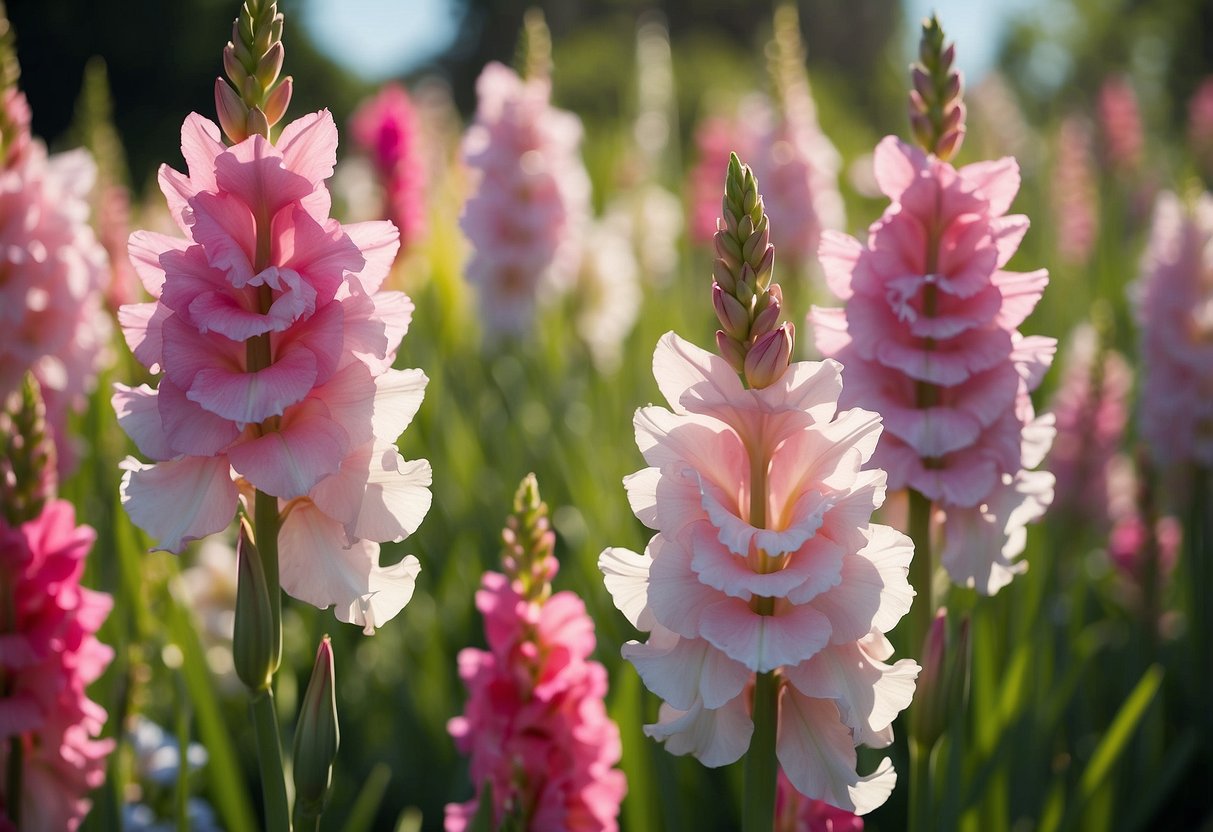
139	416
309	146
323	254
225	228
677	598
180	500
682	671
997	181
200	145
288	462
144	249
626	575
818	756
378	241
248	398
869	693
178	191
875	592
896	165
321	568
715	738
253	173
692	379
765	642
142	327
190	429
839	255
701	442
642	488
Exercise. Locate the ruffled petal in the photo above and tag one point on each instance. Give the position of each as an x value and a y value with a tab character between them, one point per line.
307	447
715	738
626	575
682	671
180	500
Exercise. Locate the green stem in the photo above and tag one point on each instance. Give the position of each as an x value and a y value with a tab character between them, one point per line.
269	756
266	524
758	813
922	572
920	787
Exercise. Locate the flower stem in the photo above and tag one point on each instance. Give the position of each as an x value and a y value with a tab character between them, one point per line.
16	767
269	756
921	572
267	522
920	787
758	813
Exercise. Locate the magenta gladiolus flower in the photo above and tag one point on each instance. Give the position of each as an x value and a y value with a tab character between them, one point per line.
50	657
535	724
836	582
530	197
1091	408
52	315
386	129
929	338
276	345
1173	301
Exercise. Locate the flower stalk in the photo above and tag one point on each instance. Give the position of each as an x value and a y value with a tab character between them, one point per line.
937	113
253	98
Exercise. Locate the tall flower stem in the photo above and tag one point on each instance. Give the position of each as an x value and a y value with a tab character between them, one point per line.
921	570
760	766
267	521
921	815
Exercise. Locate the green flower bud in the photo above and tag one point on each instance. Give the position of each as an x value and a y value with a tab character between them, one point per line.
255	645
317	737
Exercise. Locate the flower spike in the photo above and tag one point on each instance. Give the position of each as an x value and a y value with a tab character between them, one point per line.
27	469
534	53
254	98
937	115
747	303
529	555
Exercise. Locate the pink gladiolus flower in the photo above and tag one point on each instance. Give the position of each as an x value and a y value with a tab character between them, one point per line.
1120	122
276	343
1173	301
386	129
929	338
530	198
1074	192
1129	541
50	657
835	582
794	160
52	317
535	724
1091	408
796	813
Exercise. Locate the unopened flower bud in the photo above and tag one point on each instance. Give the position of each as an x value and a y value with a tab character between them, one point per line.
768	315
723	277
231	65
256	646
317	737
270	65
279	99
732	315
922	83
731	351
768	357
942	680
256	124
233	114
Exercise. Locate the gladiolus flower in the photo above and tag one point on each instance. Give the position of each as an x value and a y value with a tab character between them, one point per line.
796	813
275	343
530	198
1074	192
929	338
50	657
386	129
535	724
759	498
1173	301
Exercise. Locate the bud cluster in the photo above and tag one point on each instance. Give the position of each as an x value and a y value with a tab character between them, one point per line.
529	556
937	114
534	54
747	302
14	110
254	98
28	476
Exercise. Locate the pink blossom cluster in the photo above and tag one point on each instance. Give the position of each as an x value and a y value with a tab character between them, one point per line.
929	338
535	724
386	128
1173	301
1091	409
796	813
1130	543
50	656
1120	122
52	315
275	344
765	560
1074	192
530	198
791	156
